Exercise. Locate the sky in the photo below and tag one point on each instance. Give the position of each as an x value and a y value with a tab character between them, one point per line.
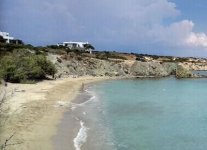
162	27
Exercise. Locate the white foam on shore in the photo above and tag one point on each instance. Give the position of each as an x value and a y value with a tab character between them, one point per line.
74	105
86	90
81	137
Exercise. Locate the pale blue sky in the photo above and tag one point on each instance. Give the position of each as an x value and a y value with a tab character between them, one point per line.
194	10
167	27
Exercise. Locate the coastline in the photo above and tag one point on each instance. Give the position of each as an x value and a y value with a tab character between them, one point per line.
75	131
83	125
35	110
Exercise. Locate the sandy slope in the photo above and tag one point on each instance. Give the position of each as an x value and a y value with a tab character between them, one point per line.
35	110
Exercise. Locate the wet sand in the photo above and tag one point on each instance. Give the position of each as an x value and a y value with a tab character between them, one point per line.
34	112
69	125
81	125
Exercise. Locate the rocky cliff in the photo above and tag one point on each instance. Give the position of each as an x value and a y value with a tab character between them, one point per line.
105	63
195	65
79	66
183	72
152	69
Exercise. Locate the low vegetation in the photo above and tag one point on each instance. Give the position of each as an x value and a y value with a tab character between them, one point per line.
104	55
142	57
23	65
109	55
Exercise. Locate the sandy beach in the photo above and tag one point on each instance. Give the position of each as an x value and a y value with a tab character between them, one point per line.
35	110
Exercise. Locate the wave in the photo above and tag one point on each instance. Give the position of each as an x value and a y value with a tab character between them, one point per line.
75	105
81	137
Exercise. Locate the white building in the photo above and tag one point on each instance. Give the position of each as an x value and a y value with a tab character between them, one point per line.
6	36
79	45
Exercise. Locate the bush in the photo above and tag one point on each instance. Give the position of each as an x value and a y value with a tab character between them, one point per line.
11	47
56	47
20	69
88	46
101	56
106	55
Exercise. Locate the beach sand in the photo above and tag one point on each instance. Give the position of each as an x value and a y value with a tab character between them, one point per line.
35	110
81	126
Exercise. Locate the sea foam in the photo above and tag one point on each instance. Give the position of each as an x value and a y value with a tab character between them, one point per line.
74	105
81	137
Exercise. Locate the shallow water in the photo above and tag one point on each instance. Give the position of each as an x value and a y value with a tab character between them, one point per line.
201	72
148	114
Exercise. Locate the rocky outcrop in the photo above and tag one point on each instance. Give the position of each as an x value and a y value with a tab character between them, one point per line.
75	65
89	66
80	66
153	69
183	72
195	66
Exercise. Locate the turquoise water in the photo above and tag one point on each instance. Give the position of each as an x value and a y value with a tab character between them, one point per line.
149	114
201	72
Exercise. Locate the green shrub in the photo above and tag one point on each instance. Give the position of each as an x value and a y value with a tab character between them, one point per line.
56	47
107	54
101	56
11	47
88	46
20	69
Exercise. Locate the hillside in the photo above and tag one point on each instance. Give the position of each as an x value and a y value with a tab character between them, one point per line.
23	63
105	63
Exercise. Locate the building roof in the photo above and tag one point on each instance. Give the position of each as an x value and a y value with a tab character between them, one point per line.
5	35
75	42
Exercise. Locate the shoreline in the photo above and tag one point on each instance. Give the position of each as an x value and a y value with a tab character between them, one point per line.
35	110
72	131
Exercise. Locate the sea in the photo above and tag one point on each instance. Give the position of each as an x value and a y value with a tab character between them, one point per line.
138	114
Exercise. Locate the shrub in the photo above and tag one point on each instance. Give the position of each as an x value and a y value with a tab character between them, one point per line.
11	47
18	69
101	56
88	46
56	47
106	55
